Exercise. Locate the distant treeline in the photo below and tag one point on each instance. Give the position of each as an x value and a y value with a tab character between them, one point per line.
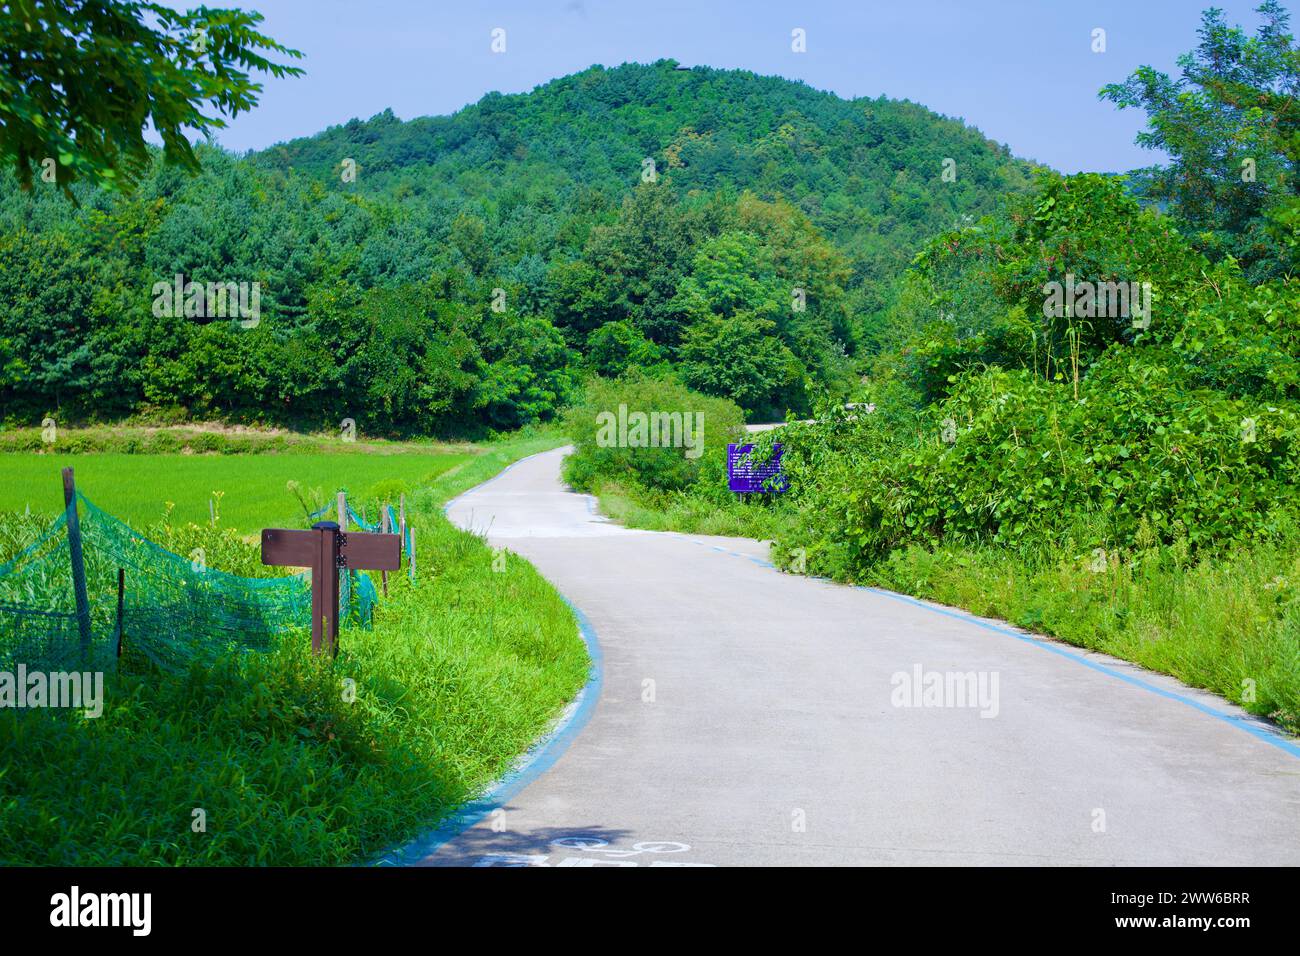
455	274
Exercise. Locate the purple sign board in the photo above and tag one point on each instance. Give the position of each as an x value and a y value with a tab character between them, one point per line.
748	477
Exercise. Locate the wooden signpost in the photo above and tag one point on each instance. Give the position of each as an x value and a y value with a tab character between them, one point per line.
326	550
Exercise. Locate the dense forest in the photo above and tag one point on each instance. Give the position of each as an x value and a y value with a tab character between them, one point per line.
450	275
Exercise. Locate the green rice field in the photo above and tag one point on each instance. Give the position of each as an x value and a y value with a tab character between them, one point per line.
249	492
461	670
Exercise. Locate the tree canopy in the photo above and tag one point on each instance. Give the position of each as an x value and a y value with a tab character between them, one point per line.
81	81
1231	125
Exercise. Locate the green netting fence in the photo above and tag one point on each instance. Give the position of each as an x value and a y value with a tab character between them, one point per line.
171	610
394	527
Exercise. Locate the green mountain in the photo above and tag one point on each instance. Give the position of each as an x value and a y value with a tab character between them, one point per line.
867	172
447	274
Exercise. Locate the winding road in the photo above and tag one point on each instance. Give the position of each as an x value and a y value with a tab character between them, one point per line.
742	716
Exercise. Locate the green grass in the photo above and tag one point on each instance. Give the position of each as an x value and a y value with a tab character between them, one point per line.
194	439
638	507
1228	624
460	673
253	493
138	487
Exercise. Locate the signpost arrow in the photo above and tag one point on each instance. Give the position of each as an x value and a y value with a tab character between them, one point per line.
327	550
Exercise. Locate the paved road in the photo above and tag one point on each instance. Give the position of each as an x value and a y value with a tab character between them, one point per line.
751	717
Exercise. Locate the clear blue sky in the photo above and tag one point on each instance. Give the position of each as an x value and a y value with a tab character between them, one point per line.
1022	71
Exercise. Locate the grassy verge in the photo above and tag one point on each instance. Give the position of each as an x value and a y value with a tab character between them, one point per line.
639	507
492	457
1229	624
275	756
197	440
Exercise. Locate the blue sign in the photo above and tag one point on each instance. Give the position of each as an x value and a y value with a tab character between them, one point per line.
746	476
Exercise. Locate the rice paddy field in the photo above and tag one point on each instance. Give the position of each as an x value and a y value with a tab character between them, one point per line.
249	492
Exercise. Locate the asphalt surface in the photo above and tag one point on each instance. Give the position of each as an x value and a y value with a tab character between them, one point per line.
747	717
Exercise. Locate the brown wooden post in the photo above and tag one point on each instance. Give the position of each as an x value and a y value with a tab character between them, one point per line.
327	551
78	561
384	529
401	518
325	591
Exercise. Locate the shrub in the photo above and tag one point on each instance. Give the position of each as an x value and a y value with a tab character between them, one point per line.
602	453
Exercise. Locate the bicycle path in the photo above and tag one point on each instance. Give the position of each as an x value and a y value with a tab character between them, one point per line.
749	717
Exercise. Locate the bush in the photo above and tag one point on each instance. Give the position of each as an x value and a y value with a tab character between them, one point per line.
1009	459
609	446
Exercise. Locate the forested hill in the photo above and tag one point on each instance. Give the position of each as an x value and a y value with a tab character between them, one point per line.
741	233
867	172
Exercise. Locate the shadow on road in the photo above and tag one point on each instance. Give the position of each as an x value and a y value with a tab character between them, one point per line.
483	846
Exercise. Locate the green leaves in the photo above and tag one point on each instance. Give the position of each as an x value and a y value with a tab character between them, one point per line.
79	84
1230	126
741	358
607	450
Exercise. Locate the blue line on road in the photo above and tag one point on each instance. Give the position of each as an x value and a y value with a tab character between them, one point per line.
1244	722
1251	725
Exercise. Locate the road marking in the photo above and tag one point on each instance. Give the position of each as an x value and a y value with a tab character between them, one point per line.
599	853
535	761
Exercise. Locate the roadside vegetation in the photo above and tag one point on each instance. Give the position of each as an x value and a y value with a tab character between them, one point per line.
459	675
1119	468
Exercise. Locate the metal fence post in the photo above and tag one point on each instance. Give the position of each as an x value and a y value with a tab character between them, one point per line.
78	561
